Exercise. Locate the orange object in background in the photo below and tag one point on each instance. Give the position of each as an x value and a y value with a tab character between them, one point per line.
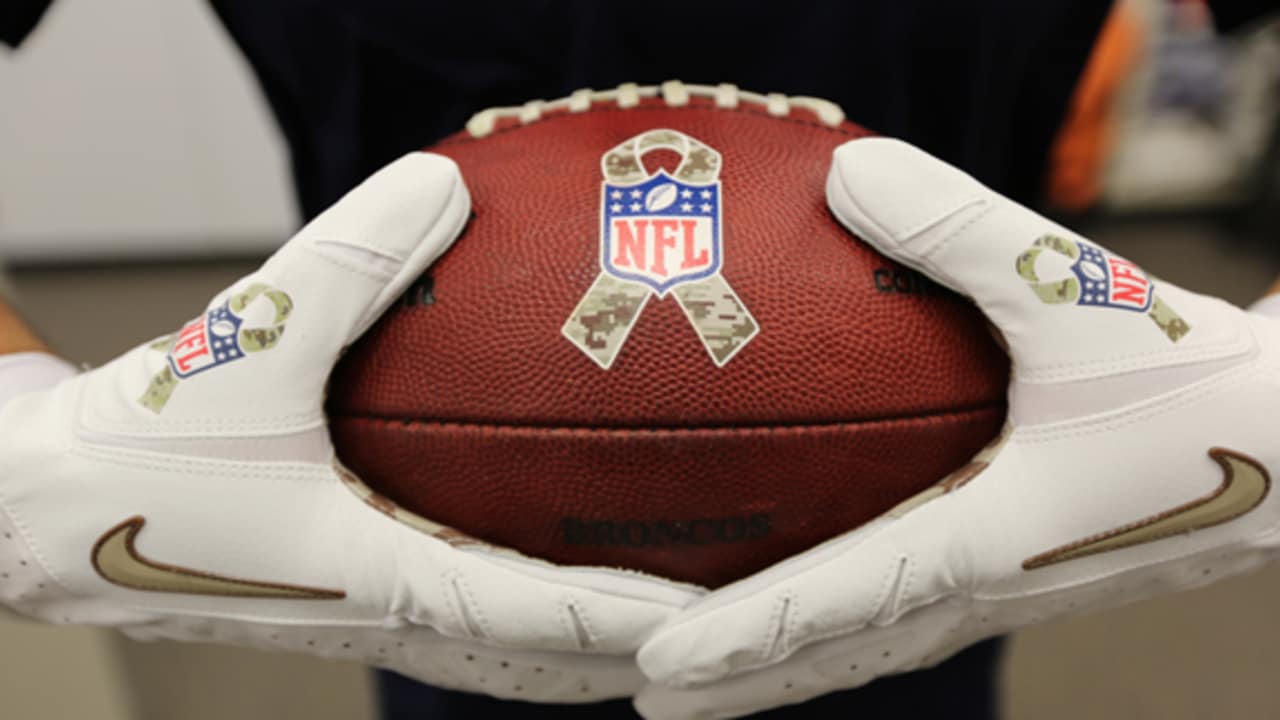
1083	144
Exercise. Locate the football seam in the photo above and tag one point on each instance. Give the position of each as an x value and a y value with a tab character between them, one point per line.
955	414
851	131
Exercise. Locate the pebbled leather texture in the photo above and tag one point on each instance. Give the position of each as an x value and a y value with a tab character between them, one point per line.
24	582
865	384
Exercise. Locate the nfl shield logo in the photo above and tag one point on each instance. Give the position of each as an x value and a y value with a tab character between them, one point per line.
1098	279
207	342
219	336
1110	281
661	232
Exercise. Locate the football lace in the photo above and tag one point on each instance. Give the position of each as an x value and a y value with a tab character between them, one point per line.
673	92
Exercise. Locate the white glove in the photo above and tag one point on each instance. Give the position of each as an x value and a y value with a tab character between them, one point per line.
188	489
1136	461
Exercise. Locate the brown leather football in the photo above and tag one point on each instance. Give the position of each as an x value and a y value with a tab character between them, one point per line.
654	348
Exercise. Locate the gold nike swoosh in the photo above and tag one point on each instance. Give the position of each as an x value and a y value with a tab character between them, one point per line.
1245	483
117	560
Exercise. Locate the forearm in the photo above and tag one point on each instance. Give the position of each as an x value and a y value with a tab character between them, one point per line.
15	336
1274	289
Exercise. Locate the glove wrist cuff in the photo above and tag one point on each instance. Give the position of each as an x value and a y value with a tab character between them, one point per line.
29	371
1269	306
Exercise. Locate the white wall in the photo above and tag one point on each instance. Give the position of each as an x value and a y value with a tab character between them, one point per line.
134	127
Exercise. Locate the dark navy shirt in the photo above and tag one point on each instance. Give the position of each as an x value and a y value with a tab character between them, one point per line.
984	84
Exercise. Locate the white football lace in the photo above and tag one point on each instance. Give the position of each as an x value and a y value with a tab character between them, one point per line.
673	92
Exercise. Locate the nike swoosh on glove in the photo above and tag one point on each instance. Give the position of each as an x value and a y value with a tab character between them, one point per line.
1136	461
189	489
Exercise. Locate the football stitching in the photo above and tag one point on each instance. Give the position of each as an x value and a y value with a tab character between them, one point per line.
672	93
846	129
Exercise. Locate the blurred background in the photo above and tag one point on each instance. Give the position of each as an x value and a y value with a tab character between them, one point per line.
141	171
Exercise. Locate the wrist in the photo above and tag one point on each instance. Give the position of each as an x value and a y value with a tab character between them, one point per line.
15	336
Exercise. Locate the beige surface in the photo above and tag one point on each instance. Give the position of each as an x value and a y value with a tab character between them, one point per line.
1212	653
61	672
131	125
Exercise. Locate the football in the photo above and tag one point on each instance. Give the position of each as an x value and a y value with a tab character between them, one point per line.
661	197
653	348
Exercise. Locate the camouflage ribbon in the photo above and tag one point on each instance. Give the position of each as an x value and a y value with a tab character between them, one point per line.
215	339
1099	279
599	325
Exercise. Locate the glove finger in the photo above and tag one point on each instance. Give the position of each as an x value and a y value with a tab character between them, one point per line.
394	567
427	656
863	578
527	675
496	597
1046	288
349	263
840	663
311	299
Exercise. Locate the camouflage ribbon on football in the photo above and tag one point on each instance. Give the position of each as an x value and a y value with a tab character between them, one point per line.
660	234
215	339
1099	279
